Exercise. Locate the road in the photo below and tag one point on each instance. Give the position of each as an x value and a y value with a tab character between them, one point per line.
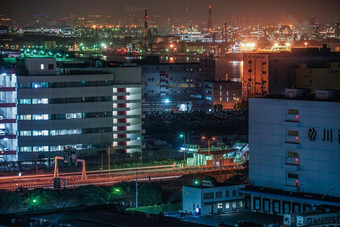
153	173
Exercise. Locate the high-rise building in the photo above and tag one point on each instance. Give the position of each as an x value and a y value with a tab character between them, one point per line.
44	109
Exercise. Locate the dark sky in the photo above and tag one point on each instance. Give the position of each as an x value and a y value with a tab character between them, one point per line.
278	10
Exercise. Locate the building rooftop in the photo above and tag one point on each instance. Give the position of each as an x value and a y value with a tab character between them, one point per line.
307	197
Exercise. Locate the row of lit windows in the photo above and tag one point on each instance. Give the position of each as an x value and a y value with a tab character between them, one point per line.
227	205
218	195
52	148
63	132
37	117
66	100
33	101
65	84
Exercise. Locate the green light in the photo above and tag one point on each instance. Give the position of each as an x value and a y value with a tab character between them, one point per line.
117	190
196	182
138	138
181	135
34	200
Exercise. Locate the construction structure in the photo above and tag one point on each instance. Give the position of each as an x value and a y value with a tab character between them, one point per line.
219	157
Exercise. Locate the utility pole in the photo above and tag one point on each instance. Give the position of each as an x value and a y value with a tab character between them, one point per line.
136	188
108	157
36	163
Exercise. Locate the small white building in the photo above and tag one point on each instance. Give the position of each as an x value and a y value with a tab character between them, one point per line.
207	198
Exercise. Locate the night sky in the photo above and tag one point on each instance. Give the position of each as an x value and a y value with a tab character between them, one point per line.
284	11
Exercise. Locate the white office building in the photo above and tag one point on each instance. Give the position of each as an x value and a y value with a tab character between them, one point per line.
203	199
45	108
294	145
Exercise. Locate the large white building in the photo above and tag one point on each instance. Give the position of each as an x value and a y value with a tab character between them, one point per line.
294	145
45	108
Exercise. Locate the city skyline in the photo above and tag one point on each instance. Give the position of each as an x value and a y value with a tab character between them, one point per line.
275	12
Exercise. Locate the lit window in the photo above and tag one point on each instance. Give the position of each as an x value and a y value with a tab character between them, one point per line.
40	148
38	117
234	205
40	132
25	149
40	101
219	205
220	99
36	85
241	204
26	117
42	66
293	133
25	133
227	99
227	206
25	101
73	115
293	111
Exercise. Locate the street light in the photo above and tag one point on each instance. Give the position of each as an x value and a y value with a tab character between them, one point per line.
182	135
236	99
34	204
209	139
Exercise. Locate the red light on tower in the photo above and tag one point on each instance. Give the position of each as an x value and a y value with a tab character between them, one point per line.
297	117
297	161
297	183
297	139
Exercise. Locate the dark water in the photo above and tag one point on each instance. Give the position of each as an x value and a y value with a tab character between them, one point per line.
227	68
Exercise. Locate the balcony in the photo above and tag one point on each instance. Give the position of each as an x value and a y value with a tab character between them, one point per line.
7	89
128	116
11	121
129	131
291	167
290	144
8	152
121	139
11	137
121	109
121	93
4	105
121	124
292	123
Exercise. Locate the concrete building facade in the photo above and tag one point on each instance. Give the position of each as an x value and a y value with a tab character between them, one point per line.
295	160
210	200
272	73
46	109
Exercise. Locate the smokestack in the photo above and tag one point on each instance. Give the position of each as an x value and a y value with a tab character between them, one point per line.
210	20
146	22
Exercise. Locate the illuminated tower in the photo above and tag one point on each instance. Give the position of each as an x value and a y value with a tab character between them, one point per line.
146	23
210	20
